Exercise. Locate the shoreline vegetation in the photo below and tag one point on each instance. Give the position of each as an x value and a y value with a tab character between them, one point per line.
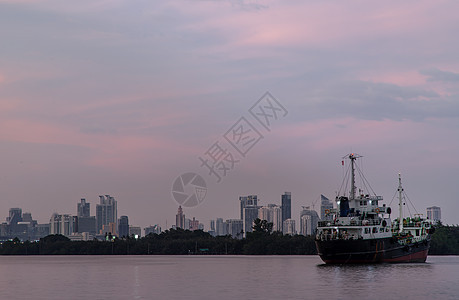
445	241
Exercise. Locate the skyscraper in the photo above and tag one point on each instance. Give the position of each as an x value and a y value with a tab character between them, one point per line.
273	214
325	204
249	211
61	224
308	221
251	200
180	218
434	213
220	228
106	212
289	227
286	204
15	216
235	228
123	226
83	209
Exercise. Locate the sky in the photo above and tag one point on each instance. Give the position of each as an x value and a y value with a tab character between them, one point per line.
122	97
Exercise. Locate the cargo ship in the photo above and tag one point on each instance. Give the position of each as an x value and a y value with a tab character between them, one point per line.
360	230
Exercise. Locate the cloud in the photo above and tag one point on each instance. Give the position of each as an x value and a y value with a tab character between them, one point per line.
435	74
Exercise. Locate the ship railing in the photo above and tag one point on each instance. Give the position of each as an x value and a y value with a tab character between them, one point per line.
356	222
334	236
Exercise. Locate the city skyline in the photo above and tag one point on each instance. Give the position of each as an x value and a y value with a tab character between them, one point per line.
122	98
84	226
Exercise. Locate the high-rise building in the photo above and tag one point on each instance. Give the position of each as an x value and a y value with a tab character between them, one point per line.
135	231
109	229
87	224
434	213
61	224
15	216
194	224
155	229
273	214
212	225
249	215
83	209
251	200
27	217
106	212
325	204
235	228
286	204
220	227
187	224
249	211
123	226
308	221
289	227
180	218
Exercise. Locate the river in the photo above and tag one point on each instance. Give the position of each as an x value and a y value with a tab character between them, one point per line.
222	277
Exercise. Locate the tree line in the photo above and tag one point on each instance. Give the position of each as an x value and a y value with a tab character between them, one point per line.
262	241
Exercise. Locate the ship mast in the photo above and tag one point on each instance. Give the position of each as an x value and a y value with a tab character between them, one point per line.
353	157
400	202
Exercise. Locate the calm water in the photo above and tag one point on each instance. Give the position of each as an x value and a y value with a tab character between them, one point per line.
222	277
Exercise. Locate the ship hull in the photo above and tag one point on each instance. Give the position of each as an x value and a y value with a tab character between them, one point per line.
385	250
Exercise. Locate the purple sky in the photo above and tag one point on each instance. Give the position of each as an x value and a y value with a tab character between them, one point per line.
121	97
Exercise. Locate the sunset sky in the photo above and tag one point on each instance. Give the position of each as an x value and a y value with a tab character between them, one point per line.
121	97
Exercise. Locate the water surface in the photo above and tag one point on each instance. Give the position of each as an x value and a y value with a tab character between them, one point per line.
222	277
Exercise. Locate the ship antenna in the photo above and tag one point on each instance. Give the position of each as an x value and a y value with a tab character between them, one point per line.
400	190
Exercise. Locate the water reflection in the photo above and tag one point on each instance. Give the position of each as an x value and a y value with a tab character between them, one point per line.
372	279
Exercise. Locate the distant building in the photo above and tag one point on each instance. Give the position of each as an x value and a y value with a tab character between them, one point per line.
289	227
15	216
106	212
123	226
135	231
87	224
83	209
273	214
247	201
186	226
155	229
308	221
42	230
434	213
235	228
220	227
212	231
249	211
180	218
194	224
109	229
325	204
286	205
61	224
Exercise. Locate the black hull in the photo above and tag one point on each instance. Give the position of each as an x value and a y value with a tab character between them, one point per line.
386	250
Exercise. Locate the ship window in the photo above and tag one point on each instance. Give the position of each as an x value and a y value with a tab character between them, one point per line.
364	202
376	202
417	232
375	229
367	230
381	229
